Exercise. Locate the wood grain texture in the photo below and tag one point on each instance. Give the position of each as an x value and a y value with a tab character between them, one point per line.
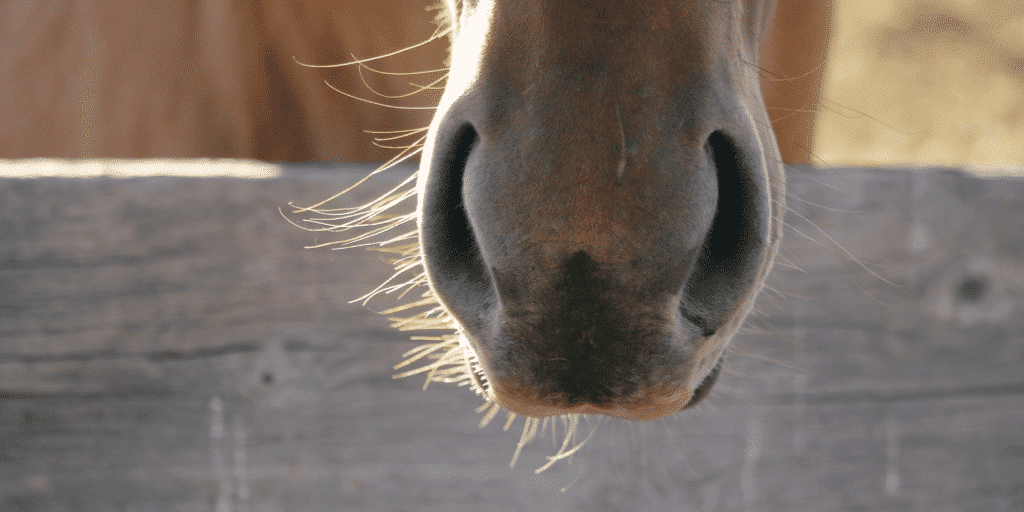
168	344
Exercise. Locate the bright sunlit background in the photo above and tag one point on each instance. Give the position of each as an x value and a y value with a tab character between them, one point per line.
932	82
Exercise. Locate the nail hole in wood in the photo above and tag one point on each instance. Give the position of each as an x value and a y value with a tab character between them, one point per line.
972	289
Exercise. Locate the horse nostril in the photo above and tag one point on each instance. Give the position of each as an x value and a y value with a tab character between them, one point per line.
734	246
451	247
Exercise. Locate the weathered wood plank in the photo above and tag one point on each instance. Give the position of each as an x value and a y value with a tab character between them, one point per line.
167	344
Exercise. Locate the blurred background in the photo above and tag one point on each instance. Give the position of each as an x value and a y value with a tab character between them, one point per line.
935	82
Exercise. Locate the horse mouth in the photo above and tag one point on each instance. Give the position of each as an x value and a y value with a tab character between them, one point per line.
539	397
658	402
704	388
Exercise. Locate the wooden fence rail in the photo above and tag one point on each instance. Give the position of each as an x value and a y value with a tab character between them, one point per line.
166	344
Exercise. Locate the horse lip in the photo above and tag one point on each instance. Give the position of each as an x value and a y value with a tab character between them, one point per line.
665	391
657	402
704	388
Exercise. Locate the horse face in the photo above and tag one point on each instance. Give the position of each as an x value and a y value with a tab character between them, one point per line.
600	198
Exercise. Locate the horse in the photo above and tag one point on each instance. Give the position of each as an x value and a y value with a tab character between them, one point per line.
600	192
600	198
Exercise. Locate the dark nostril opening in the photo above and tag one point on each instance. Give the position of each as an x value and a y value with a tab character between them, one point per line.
453	245
731	252
451	254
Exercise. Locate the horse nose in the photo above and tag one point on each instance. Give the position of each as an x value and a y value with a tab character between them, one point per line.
585	341
598	230
587	290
